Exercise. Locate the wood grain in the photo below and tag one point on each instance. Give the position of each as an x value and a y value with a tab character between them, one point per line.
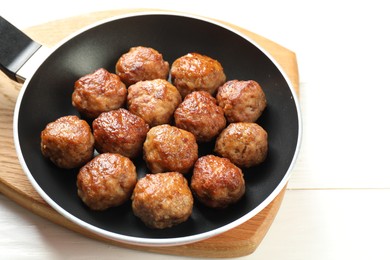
239	241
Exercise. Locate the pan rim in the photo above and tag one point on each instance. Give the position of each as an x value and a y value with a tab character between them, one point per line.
157	241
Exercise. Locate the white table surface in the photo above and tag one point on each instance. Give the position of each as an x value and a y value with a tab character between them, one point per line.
337	202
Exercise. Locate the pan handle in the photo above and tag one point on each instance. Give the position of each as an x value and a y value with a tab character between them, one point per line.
16	48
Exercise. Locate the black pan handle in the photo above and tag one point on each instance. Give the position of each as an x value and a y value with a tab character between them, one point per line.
16	48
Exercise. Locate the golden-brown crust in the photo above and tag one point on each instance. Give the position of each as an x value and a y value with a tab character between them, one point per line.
98	92
193	72
119	131
162	200
153	100
141	63
244	144
106	181
68	142
168	148
242	101
216	182
200	115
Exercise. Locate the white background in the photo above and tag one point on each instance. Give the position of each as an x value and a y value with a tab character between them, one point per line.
337	202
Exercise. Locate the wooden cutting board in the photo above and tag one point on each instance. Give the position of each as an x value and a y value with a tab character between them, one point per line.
240	241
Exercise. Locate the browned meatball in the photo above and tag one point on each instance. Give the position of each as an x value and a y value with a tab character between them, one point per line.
244	144
98	92
168	148
106	181
162	200
67	142
194	72
119	131
200	115
153	100
242	101
141	63
217	182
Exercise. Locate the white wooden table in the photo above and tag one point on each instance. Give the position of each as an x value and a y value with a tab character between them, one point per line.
337	205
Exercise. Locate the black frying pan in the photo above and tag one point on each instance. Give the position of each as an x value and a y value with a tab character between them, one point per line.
46	96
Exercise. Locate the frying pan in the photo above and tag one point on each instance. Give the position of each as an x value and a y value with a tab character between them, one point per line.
46	96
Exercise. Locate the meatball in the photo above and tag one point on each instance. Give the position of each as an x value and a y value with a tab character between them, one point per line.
162	200
168	148
106	181
141	63
98	92
194	72
216	182
244	144
119	131
153	100
200	115
242	101
68	142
